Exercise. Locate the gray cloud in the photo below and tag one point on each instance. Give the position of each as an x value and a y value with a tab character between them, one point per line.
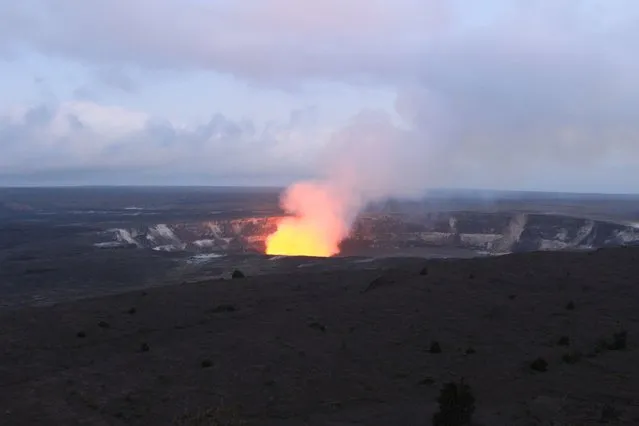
275	39
532	92
71	139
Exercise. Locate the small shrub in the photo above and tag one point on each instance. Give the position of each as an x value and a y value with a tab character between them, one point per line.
132	311
619	341
427	381
81	334
223	308
570	306
144	347
572	357
540	365
608	414
601	346
103	324
318	326
563	341
237	274
456	405
435	348
207	363
424	271
470	350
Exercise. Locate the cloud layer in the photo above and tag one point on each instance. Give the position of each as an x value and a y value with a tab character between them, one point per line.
512	93
77	137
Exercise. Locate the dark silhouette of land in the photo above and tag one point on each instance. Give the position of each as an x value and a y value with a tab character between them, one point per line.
541	338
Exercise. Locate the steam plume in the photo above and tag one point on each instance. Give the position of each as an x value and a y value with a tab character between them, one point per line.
364	162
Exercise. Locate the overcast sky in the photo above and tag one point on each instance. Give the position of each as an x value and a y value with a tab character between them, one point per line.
501	94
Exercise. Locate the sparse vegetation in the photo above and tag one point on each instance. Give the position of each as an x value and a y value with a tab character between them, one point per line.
435	348
237	274
608	414
601	346
540	365
224	308
563	341
427	381
619	341
456	405
572	357
317	326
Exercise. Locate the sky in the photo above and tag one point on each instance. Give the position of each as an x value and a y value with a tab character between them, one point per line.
497	94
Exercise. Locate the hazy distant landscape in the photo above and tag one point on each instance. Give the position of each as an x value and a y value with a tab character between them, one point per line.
61	243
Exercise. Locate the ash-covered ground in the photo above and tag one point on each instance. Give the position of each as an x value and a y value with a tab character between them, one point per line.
138	321
542	339
65	243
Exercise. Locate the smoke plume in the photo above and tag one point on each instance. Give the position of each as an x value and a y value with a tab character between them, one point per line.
369	160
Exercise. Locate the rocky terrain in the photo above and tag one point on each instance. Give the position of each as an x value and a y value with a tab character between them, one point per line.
487	232
546	338
66	243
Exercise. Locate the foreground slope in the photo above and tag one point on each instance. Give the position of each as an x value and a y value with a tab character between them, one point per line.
338	348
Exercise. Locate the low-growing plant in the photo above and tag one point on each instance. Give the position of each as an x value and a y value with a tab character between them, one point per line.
563	341
237	274
456	405
539	365
619	341
608	414
572	357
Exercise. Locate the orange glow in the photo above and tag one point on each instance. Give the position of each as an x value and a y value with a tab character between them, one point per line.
316	226
297	237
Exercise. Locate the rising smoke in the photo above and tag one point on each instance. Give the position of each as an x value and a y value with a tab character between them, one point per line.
544	97
369	160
